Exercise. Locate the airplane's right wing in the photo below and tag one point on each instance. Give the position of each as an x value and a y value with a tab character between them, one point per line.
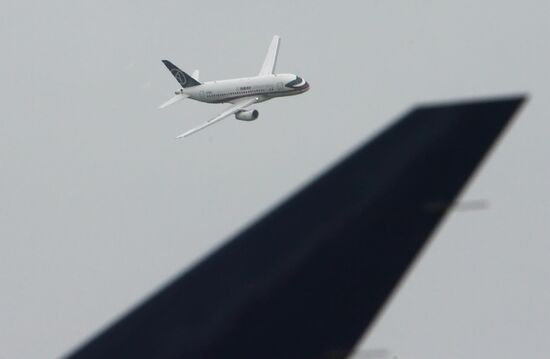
238	106
271	58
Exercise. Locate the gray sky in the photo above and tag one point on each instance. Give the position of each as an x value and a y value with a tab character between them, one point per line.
100	205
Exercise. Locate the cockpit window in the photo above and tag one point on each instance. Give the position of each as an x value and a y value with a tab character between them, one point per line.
295	83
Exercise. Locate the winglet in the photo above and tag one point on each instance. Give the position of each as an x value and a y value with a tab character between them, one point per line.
271	58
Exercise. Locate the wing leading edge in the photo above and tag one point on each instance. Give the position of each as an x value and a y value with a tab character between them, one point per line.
309	278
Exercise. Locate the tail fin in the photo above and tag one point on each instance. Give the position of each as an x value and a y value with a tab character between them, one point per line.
377	205
184	79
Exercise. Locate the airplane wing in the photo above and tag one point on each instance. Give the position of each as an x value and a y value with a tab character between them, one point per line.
271	58
238	106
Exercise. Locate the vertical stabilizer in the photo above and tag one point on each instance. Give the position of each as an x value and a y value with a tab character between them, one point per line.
307	279
184	79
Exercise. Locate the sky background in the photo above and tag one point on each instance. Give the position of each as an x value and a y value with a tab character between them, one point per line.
100	205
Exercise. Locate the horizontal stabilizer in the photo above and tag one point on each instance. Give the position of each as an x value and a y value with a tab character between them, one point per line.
195	75
173	100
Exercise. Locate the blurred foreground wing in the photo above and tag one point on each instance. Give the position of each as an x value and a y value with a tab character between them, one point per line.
307	279
238	106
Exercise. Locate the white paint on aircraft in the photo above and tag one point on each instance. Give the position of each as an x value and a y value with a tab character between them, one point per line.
241	92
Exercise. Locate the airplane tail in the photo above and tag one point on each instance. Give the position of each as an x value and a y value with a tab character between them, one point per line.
292	286
184	79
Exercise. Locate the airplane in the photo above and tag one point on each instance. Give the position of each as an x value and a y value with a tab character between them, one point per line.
241	92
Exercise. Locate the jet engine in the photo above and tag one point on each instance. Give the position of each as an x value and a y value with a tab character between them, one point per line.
247	115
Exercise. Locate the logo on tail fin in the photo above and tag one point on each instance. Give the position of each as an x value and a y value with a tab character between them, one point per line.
184	79
180	76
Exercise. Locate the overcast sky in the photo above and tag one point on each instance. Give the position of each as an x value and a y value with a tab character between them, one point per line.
100	205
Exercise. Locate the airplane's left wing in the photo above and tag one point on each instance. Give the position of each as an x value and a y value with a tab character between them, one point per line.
238	106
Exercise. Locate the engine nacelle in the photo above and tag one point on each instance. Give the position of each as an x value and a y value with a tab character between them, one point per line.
247	115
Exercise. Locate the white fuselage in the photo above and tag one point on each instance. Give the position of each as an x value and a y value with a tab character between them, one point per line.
262	87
